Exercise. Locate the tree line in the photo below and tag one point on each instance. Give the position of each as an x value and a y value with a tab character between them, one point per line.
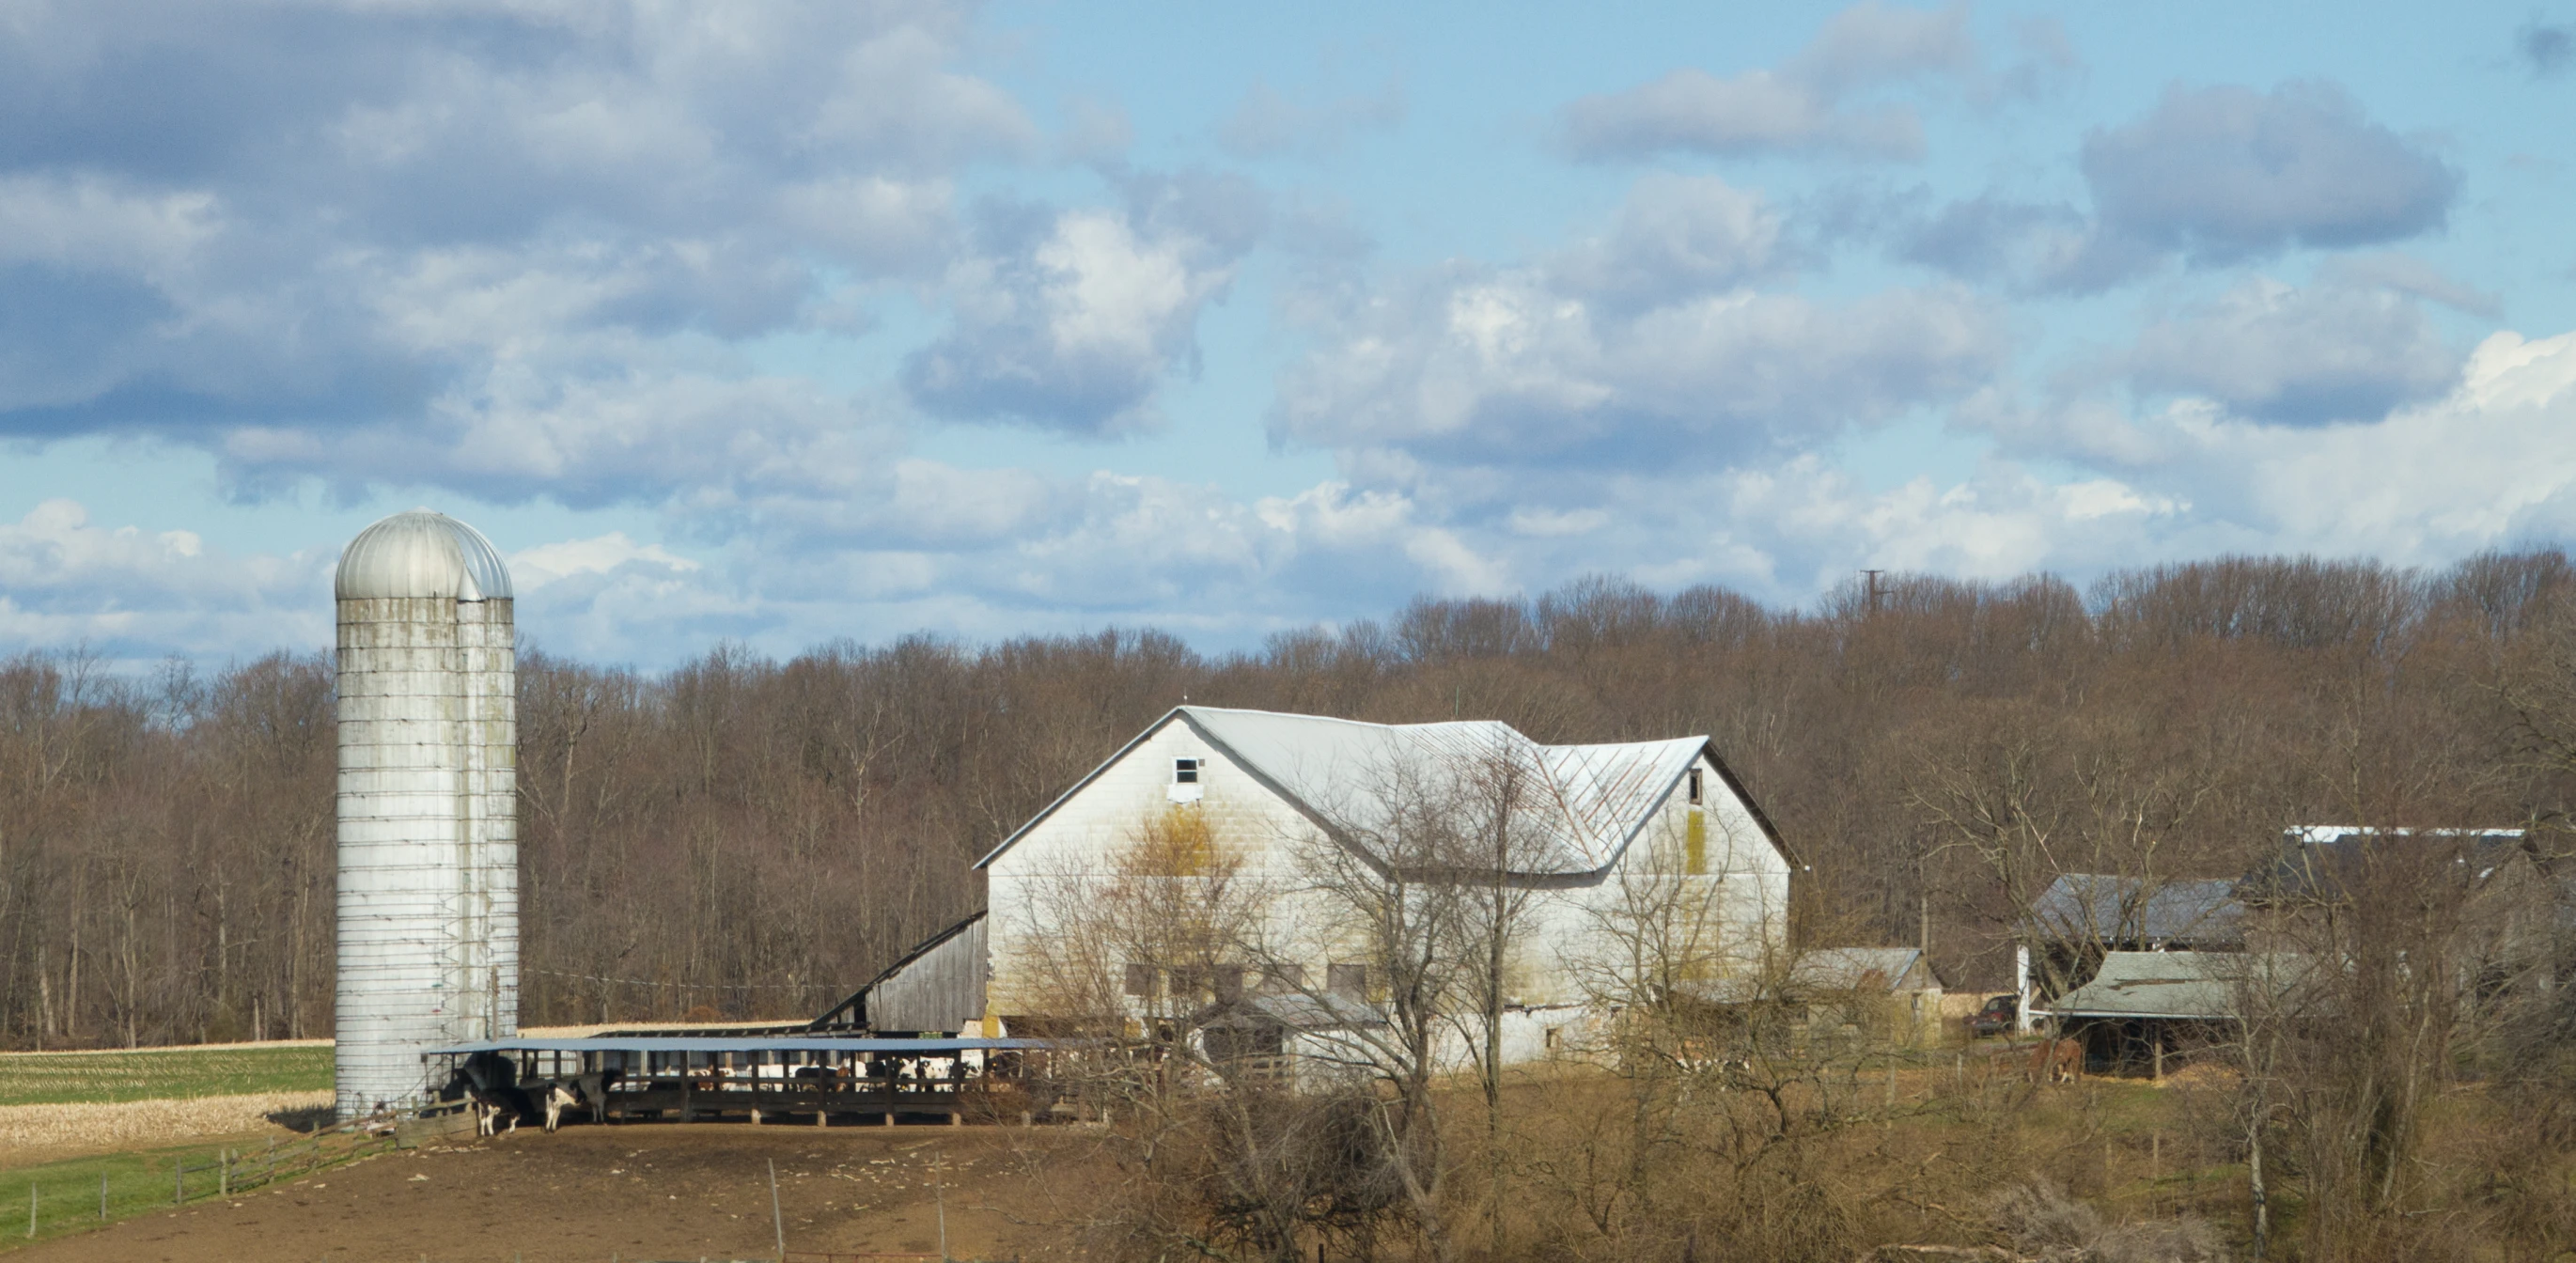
744	837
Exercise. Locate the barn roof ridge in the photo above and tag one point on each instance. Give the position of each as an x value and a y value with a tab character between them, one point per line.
1603	793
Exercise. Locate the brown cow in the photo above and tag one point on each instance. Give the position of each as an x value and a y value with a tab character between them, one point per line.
2056	1061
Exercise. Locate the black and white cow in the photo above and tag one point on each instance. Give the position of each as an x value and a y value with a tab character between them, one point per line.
490	1082
582	1091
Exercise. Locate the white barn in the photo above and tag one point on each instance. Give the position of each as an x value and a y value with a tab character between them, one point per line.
1271	788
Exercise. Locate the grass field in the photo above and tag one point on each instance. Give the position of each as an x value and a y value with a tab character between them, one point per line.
80	1194
67	1193
161	1074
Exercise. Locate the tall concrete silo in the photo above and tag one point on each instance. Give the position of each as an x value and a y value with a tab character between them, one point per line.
429	740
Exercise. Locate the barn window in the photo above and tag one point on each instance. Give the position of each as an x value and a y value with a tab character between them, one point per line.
1229	983
1186	772
1349	980
1140	981
1283	979
1694	787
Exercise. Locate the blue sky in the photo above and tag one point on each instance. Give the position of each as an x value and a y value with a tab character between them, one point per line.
782	323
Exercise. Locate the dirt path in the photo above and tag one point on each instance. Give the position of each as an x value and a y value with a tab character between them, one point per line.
634	1193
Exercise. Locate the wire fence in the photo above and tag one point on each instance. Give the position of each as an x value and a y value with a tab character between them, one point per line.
81	1194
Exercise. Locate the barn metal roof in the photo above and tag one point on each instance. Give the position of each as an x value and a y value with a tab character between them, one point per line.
1589	802
2320	862
695	1044
2106	908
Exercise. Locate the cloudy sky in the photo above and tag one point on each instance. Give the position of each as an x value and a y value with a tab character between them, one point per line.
779	323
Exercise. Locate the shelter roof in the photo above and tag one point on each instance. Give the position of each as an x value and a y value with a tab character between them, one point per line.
2182	985
2105	908
1578	806
718	1043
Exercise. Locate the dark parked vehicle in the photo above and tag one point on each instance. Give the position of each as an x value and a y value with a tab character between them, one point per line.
1996	1018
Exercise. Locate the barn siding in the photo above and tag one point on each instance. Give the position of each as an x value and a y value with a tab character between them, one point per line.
940	990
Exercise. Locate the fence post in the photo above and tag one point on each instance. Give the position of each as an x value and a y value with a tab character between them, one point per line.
223	1172
178	1179
102	1197
31	1210
777	1220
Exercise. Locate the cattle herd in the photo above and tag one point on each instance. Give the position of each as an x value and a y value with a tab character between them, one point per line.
490	1085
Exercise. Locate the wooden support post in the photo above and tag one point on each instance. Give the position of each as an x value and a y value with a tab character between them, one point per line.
2160	1052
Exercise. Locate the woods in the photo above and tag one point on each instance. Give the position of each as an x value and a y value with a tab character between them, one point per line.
742	836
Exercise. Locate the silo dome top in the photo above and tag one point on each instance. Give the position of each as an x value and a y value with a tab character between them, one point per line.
419	554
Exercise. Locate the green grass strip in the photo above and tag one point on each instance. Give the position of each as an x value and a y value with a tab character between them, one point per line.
67	1193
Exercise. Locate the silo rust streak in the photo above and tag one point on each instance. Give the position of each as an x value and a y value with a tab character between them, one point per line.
428	804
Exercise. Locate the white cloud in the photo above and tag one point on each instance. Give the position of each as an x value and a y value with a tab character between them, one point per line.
2486	465
135	595
2227	173
1074	328
1674	236
1806	105
534	568
2275	352
1468	367
1548	523
93	221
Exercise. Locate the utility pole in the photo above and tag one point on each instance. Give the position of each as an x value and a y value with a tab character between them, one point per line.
1872	577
